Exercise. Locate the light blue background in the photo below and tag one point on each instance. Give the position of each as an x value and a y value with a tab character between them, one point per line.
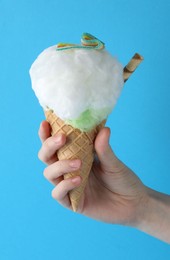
32	225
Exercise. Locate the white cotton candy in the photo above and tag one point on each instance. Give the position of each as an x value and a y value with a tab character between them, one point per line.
72	81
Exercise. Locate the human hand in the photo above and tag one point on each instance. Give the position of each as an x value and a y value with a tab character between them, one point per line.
114	194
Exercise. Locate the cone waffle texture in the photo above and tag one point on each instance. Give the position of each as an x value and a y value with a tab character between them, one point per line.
79	145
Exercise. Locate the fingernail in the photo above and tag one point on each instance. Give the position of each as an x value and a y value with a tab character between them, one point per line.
75	163
57	139
76	180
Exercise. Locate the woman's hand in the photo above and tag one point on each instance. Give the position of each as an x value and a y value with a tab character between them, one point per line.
113	193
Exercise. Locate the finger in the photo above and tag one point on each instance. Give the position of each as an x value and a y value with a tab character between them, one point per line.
44	131
47	153
106	156
59	168
57	181
60	192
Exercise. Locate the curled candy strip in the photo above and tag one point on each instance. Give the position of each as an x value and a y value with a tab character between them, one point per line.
88	41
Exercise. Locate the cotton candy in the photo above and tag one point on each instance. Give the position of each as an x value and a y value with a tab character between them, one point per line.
81	86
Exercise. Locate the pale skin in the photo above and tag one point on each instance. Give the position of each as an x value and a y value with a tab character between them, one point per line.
114	194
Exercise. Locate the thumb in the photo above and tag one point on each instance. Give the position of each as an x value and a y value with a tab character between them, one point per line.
109	161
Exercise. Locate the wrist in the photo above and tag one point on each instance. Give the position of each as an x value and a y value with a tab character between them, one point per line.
154	215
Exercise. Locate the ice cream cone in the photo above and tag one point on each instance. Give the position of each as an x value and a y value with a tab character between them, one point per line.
79	84
79	145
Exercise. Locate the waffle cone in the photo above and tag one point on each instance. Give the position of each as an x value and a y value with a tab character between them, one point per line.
79	145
